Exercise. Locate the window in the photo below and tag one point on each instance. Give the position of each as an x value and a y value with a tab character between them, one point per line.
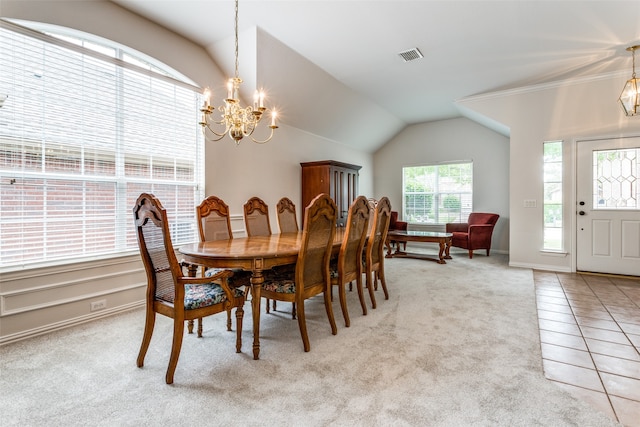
552	201
437	194
615	179
82	134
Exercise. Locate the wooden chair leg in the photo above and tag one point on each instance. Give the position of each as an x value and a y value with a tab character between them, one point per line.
190	326
343	304
229	320
361	295
383	282
293	311
178	331
370	287
302	325
470	253
146	337
199	327
329	308
239	316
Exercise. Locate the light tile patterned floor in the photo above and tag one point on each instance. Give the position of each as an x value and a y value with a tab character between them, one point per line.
590	339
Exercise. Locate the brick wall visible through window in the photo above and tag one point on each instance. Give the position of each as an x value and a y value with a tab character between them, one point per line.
81	136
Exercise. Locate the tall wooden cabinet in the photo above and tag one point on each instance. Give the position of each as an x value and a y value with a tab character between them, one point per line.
339	180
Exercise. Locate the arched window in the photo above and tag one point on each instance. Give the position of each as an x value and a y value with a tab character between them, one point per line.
85	127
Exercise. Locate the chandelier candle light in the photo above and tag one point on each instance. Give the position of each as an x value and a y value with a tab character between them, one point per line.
237	121
630	97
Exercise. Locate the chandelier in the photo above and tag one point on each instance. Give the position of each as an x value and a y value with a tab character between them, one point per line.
630	97
235	120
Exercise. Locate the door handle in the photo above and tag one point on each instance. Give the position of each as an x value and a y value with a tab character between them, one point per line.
581	213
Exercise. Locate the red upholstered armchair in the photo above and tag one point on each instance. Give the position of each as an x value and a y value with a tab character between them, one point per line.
475	233
394	224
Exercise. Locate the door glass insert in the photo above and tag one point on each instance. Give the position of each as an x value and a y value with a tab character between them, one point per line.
615	179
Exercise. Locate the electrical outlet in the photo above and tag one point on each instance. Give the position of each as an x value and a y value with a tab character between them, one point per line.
99	305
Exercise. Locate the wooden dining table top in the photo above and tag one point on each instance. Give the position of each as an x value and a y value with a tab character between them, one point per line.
255	254
242	252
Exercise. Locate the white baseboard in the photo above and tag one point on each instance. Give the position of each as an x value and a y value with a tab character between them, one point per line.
69	323
544	267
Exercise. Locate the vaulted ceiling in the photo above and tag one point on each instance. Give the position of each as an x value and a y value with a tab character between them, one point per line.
334	69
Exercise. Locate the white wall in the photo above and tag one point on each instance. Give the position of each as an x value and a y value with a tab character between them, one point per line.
272	170
446	141
568	111
39	300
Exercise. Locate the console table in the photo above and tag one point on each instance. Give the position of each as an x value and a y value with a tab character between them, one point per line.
443	239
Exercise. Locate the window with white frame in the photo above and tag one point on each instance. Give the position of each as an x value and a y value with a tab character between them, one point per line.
553	224
437	194
84	129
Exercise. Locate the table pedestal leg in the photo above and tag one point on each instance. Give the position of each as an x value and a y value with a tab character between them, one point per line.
256	287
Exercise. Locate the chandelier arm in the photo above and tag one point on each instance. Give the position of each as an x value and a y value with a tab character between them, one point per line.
208	128
206	125
266	140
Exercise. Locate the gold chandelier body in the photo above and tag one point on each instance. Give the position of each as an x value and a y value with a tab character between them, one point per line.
235	120
630	96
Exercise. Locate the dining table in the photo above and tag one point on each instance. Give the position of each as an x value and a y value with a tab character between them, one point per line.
256	254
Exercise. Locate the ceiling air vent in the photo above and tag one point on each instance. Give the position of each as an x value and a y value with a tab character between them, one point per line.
411	54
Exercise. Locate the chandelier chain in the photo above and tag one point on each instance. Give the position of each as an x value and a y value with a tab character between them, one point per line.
236	34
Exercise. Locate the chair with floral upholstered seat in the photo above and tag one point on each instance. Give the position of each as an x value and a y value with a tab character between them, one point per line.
311	276
169	291
256	221
349	266
214	223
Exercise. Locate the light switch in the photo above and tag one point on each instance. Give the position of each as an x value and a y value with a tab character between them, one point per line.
531	203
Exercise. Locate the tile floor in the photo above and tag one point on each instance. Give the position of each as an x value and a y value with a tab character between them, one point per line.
590	339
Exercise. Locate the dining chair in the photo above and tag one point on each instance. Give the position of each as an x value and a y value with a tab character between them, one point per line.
287	220
256	217
256	221
214	223
169	291
349	266
374	258
311	276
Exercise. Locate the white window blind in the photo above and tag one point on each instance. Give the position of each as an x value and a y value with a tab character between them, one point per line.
81	136
437	194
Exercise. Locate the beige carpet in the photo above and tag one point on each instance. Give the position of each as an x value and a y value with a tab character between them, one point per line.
455	345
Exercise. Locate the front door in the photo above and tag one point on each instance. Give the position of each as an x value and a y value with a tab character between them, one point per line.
608	209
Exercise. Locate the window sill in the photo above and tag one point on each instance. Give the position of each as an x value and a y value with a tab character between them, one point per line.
559	254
